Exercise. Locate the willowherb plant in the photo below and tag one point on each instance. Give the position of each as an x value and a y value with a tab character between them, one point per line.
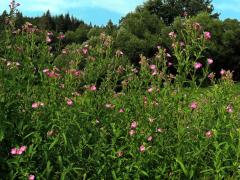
188	48
83	112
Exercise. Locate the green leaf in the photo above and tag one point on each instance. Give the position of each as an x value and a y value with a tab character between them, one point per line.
185	171
53	144
1	135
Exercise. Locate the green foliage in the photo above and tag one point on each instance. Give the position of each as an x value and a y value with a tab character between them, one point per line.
133	39
170	9
89	114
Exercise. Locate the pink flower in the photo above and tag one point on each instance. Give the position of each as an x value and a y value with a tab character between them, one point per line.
121	110
120	154
159	130
193	105
170	64
154	73
153	67
209	134
61	36
52	74
210	61
13	151
69	102
85	51
222	72
18	151
168	55
134	125
23	148
31	177
48	39
93	88
142	148
211	75
197	65
182	44
77	73
150	90
45	70
172	35
49	33
229	109
36	105
132	132
207	35
197	26
150	138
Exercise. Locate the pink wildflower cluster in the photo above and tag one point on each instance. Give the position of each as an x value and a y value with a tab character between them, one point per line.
120	154
172	35
61	36
85	50
51	74
207	35
31	177
193	105
36	105
197	65
49	37
229	108
69	102
197	26
122	110
222	72
18	151
150	90
153	69
209	134
210	61
13	4
142	148
133	127
93	88
211	75
149	138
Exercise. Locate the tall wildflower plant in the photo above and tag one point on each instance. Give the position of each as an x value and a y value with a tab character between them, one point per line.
188	46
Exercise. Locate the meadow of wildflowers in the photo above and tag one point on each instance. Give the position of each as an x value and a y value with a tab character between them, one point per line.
86	113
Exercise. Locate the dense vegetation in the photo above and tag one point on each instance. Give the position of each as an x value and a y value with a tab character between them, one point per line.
124	102
140	32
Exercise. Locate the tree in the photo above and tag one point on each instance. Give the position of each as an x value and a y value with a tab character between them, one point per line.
46	22
167	10
139	33
79	35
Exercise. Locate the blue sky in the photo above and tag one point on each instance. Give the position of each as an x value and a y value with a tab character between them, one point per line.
100	11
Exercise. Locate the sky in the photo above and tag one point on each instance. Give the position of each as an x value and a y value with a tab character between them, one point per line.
98	12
